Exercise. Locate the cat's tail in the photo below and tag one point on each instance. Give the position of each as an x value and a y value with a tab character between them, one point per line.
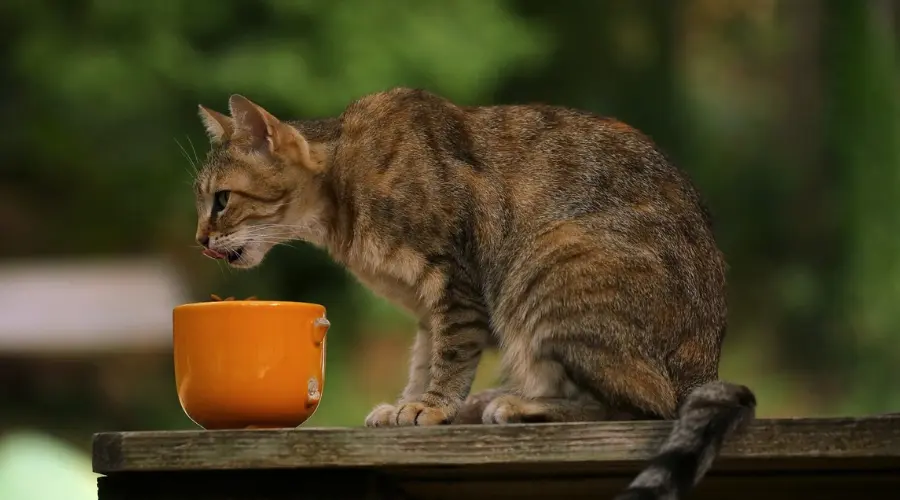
709	415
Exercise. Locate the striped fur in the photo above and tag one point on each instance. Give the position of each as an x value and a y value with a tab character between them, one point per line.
709	415
566	240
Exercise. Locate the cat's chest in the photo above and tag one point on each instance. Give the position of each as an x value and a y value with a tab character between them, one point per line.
397	273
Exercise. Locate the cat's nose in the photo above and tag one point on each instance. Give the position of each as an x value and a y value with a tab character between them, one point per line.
203	240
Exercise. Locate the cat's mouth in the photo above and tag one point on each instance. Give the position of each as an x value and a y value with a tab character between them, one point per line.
231	255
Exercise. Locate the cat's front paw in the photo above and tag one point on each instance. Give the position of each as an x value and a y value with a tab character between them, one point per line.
407	414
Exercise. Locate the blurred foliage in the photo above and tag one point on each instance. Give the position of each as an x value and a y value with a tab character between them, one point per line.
113	83
784	112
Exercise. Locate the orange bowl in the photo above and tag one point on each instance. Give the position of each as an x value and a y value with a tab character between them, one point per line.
249	364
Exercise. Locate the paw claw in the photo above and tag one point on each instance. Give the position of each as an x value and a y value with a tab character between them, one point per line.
409	414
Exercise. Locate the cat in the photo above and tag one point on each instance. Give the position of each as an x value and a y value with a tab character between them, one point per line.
565	239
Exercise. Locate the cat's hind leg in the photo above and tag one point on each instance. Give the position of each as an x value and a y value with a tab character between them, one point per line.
536	393
501	406
473	409
583	312
512	409
577	379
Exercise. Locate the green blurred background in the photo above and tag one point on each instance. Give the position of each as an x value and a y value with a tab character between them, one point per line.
786	113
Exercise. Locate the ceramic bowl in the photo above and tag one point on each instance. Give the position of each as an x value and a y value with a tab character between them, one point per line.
249	363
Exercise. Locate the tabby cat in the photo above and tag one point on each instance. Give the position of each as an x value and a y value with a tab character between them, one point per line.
565	239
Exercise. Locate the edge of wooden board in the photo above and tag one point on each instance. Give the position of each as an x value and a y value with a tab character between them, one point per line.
466	445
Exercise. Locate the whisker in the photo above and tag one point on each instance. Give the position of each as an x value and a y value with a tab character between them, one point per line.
192	173
273	243
219	267
268	236
262	227
295	230
268	232
192	149
184	152
281	225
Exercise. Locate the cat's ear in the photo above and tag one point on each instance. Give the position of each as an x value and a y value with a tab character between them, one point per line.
253	121
218	126
269	135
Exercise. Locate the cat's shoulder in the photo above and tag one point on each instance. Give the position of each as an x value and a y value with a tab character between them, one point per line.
397	100
391	111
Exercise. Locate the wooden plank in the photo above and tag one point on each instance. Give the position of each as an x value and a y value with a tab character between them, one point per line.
869	442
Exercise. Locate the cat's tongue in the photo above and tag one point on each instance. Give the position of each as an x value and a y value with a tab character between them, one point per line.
212	254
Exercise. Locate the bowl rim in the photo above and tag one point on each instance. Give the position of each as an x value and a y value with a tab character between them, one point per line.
228	304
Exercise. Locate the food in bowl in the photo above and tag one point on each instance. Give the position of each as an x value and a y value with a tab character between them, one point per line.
219	299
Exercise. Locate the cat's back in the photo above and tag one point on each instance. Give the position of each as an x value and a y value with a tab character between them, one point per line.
537	162
496	139
578	162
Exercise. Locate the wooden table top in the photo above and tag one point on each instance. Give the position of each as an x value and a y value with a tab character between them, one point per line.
870	443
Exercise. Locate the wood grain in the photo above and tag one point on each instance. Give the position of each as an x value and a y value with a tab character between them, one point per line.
781	444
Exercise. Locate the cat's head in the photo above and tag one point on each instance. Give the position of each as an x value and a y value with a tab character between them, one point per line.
260	185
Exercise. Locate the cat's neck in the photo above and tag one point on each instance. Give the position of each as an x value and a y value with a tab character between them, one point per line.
313	218
313	224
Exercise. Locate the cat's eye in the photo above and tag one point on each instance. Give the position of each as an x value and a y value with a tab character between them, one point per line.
220	200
